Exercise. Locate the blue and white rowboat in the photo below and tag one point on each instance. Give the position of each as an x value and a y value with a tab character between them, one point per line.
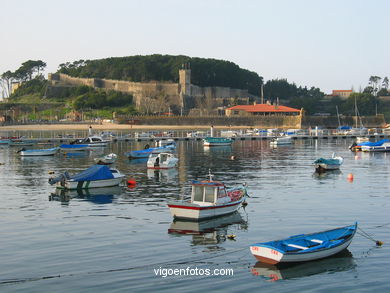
304	247
39	152
147	151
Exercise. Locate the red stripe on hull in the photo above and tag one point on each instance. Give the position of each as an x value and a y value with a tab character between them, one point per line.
266	260
202	208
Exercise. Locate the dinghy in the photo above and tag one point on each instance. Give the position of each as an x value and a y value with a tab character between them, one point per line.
217	141
38	152
107	159
334	163
209	199
304	247
95	176
148	150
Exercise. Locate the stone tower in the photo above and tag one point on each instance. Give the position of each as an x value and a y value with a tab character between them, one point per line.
185	80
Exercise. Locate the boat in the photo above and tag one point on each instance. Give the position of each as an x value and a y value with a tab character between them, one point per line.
148	150
304	247
382	145
282	140
342	261
107	159
21	142
209	199
161	161
164	142
360	139
38	152
74	147
99	196
333	163
4	141
217	141
94	176
92	141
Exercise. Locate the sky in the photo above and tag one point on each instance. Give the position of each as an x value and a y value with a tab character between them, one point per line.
333	44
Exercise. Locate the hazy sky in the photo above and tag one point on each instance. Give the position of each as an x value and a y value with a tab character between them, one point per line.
333	44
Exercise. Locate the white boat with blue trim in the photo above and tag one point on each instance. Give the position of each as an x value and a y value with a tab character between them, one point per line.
217	141
209	199
304	247
93	177
39	152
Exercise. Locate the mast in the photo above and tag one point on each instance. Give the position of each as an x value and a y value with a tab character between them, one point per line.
338	116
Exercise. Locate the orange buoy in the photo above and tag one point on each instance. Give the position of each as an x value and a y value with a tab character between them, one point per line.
350	177
131	183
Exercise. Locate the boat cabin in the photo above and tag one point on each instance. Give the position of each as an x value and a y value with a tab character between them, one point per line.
208	192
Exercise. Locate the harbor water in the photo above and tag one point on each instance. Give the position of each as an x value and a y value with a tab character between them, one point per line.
124	239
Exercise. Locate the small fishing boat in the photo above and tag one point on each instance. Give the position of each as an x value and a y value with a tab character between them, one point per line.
92	141
107	159
217	141
38	152
162	161
164	142
333	163
304	247
209	199
4	141
94	176
22	142
282	140
74	147
148	150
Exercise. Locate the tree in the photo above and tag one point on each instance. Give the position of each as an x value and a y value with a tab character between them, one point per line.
374	82
385	83
6	82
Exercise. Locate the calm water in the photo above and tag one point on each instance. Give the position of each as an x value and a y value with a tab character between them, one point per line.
112	240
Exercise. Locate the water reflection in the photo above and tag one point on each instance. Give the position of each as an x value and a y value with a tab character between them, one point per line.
329	174
222	149
212	231
342	261
160	175
102	195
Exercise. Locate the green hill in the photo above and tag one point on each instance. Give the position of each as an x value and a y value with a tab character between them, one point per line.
204	72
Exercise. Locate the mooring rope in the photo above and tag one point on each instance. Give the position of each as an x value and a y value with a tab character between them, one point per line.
368	236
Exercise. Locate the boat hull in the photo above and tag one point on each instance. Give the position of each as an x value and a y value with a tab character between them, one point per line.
47	152
69	184
195	212
325	167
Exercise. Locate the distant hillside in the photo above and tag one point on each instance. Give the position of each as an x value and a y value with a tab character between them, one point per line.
204	72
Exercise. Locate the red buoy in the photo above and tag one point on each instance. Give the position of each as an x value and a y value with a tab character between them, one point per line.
350	177
131	183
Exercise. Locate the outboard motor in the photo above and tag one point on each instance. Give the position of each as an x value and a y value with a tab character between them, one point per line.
21	150
61	177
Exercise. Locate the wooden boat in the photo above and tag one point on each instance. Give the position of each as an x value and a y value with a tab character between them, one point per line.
217	141
334	163
107	159
95	176
282	140
39	152
304	247
209	199
93	141
21	142
342	261
148	150
162	161
74	147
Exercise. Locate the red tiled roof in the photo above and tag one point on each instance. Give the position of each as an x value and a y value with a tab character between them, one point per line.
263	108
342	91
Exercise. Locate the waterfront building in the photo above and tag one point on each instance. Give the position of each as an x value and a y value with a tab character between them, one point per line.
261	109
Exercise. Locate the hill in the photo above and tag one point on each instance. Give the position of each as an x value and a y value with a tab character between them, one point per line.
204	72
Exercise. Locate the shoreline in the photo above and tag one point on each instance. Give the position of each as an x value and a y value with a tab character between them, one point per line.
109	126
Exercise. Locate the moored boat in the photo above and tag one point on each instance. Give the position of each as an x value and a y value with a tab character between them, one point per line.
209	199
107	159
217	141
378	146
333	163
304	247
74	147
22	142
164	142
92	141
95	176
162	161
38	152
148	150
282	140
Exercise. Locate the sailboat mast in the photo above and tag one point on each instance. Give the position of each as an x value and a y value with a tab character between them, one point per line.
338	116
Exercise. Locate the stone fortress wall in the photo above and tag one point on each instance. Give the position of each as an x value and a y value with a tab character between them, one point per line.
156	96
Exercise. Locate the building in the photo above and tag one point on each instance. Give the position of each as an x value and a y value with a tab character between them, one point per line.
344	94
261	109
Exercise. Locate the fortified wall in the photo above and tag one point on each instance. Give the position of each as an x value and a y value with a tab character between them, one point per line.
156	96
